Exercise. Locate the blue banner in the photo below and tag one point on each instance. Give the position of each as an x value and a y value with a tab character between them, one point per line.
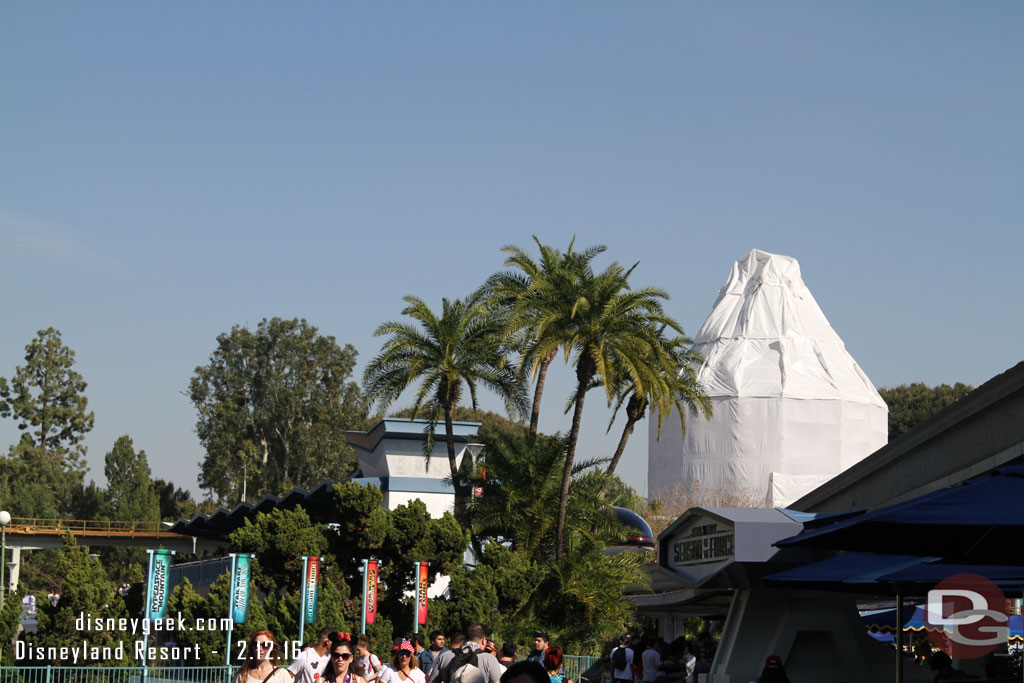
240	589
157	590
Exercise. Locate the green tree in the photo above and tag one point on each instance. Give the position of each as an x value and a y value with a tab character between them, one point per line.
611	330
273	407
175	502
130	493
671	386
10	620
35	482
529	290
42	473
46	397
911	404
84	589
279	540
461	347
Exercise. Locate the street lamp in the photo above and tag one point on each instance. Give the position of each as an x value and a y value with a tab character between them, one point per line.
5	519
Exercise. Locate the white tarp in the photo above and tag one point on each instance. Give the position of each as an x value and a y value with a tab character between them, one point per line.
792	407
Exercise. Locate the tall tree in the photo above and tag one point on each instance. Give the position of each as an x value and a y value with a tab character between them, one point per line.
911	404
672	386
460	348
273	408
84	589
610	330
529	289
130	493
46	397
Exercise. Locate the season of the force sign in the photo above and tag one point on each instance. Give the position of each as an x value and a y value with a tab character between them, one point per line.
700	542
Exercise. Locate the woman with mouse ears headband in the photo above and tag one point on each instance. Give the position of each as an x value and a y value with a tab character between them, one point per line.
344	666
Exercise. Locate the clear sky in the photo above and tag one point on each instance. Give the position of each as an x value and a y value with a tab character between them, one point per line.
168	170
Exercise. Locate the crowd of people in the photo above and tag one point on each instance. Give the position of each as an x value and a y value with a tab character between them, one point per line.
339	657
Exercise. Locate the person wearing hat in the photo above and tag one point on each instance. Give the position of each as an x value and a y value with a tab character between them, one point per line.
773	671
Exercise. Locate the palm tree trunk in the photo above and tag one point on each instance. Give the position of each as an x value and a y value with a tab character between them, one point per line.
542	374
584	373
627	431
449	437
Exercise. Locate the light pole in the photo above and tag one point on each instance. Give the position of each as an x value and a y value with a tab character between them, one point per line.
5	519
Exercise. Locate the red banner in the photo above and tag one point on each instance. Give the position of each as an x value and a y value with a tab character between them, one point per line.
421	593
370	594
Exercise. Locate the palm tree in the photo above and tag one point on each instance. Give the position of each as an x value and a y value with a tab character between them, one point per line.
529	291
612	331
674	386
461	347
519	500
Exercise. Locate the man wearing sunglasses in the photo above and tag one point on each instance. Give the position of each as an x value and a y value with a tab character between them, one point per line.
310	664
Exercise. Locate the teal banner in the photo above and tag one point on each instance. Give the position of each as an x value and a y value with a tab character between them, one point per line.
240	589
312	589
159	573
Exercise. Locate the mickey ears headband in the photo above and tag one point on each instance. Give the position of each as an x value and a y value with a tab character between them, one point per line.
342	636
406	646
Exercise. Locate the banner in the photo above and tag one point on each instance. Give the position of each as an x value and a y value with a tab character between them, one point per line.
370	591
160	570
422	583
240	588
312	590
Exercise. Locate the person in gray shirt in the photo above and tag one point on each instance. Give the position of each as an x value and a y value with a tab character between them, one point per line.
487	663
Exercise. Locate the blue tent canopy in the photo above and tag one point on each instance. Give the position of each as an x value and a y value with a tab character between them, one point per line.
847	569
978	521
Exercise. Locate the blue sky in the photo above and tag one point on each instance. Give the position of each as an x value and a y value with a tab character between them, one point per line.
168	170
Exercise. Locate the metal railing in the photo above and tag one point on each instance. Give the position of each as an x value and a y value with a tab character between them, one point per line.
582	668
116	674
86	527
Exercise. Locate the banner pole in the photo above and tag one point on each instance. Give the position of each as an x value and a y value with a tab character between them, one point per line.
145	612
302	600
416	599
231	620
366	578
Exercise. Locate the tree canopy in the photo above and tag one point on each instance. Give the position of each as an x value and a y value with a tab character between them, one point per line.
911	404
456	351
273	407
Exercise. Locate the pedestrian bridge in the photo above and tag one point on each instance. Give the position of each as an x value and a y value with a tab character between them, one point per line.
33	534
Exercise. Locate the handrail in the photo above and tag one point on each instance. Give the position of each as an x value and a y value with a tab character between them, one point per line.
86	527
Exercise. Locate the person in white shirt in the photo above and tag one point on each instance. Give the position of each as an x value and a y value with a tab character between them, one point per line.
650	659
309	665
623	674
370	662
260	665
404	666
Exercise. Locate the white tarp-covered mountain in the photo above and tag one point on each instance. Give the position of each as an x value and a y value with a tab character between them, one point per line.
792	407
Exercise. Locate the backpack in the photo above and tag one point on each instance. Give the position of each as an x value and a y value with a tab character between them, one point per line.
619	658
463	668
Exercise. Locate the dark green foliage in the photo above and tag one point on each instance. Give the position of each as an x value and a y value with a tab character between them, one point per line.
911	404
35	482
9	622
447	354
273	405
42	474
46	397
84	588
175	503
279	540
130	493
